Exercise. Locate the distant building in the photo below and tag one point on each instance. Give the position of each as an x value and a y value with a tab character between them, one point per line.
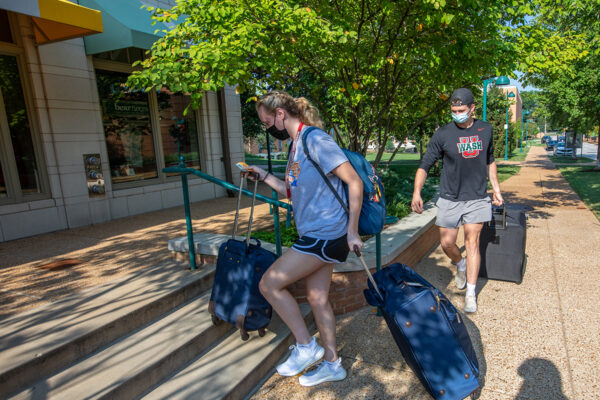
516	106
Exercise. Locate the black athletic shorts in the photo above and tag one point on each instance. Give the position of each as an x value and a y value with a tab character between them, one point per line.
330	251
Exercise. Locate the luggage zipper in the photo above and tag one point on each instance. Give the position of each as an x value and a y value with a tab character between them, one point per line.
458	318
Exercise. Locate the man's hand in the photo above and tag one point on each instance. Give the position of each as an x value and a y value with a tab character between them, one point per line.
417	203
497	199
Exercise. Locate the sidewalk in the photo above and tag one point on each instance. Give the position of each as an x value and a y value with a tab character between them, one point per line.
537	340
109	251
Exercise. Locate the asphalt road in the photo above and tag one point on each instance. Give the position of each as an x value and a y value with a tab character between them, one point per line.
590	150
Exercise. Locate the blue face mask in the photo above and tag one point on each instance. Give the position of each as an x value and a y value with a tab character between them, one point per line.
460	118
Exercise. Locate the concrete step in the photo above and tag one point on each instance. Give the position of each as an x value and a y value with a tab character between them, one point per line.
233	368
129	367
45	340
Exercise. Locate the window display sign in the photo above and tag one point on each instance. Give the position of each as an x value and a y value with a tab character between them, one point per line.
127	129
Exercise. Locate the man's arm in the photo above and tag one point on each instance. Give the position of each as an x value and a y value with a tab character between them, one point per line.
417	201
493	177
433	153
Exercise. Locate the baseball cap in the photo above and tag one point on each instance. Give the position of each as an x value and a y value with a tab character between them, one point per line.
461	97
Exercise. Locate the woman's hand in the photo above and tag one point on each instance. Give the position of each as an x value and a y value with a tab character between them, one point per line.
354	241
253	170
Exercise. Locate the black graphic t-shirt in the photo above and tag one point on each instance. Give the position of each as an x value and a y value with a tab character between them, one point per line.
466	153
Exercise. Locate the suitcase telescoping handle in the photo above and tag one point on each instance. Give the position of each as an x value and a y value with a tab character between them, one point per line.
499	210
364	264
237	210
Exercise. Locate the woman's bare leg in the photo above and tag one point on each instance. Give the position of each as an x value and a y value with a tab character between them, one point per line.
289	268
317	294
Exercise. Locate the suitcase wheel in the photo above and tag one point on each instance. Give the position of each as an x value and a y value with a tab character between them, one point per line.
239	323
215	320
262	332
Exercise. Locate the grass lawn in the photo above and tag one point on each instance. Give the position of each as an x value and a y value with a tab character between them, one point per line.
516	155
586	182
252	159
506	171
400	157
570	160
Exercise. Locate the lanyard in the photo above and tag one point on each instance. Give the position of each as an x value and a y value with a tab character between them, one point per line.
290	162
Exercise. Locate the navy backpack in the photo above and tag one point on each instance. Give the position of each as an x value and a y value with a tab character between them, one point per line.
372	213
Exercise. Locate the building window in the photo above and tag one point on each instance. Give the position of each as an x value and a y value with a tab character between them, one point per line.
127	128
5	35
19	161
179	132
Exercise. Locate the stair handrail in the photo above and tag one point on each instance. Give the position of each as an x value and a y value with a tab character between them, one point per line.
184	171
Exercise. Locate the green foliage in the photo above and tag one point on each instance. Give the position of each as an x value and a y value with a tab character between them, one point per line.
398	182
375	69
572	96
251	125
496	116
288	235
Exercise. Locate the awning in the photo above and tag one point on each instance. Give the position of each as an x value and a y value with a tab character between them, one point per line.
125	25
55	20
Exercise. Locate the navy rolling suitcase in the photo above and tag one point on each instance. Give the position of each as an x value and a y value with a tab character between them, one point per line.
502	244
427	329
235	296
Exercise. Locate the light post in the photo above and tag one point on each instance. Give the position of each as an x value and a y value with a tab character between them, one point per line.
499	81
509	95
524	112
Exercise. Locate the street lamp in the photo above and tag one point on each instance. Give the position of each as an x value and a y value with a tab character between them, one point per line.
499	81
524	112
509	95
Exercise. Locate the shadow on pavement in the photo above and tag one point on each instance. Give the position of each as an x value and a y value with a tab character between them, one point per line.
541	380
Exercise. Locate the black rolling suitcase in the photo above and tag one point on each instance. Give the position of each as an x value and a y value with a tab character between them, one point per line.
428	330
235	296
502	244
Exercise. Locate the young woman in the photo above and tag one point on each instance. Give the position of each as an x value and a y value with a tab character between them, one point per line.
326	232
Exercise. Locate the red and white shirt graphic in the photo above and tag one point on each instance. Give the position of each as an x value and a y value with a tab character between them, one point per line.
470	146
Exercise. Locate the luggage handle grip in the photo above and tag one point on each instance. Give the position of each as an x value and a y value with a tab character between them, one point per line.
370	276
239	201
503	211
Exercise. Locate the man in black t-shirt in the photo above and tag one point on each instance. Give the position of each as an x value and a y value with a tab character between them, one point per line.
466	146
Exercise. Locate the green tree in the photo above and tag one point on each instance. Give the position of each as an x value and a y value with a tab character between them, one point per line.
572	96
375	69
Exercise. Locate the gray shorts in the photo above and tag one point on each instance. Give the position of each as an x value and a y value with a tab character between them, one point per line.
452	214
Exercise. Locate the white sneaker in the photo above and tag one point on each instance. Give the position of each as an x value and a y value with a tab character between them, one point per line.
470	304
325	372
301	358
461	276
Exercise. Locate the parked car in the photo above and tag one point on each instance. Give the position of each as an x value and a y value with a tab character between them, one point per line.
550	144
409	147
545	139
561	150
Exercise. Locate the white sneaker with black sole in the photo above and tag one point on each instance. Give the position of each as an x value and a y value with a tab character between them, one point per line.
325	372
302	357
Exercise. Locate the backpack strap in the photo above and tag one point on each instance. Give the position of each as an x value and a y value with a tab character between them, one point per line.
327	181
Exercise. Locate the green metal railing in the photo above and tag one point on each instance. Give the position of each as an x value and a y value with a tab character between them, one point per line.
185	171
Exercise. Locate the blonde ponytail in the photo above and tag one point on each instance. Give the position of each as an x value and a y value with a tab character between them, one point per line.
299	107
309	115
